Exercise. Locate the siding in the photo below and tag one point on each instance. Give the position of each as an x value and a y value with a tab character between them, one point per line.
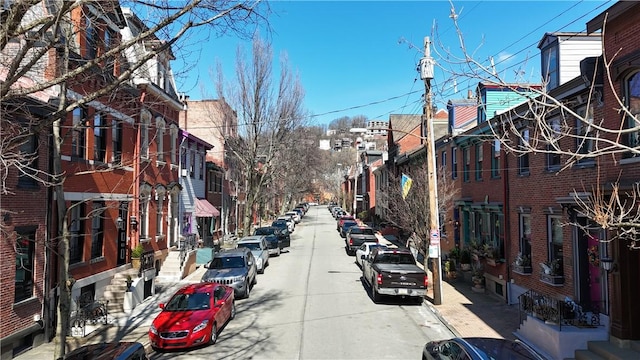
574	50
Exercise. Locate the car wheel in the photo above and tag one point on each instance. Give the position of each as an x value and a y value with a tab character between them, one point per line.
374	293
233	311
214	334
247	290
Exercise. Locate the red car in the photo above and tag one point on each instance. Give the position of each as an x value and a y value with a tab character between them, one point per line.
193	316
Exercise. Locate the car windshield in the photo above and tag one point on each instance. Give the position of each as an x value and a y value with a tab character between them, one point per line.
264	231
348	224
500	349
189	302
395	258
280	223
227	262
250	245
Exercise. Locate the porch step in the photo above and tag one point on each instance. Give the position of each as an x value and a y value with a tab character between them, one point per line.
606	350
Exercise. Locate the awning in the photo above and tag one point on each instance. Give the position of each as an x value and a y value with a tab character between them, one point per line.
205	209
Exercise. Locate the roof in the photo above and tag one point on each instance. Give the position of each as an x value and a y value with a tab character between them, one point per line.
613	12
402	124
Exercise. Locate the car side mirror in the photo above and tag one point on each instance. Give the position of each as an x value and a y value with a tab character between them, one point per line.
161	306
249	263
219	303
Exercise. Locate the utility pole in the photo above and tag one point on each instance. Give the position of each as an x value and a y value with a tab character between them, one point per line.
433	241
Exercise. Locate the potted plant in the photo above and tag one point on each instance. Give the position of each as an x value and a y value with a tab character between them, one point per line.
136	254
450	269
522	264
465	259
552	272
478	280
129	281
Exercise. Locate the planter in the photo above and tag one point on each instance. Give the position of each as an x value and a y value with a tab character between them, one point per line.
465	267
135	263
552	279
522	269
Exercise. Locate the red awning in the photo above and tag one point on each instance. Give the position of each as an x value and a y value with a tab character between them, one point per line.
205	209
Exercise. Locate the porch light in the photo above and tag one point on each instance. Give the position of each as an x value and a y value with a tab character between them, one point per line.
608	265
120	223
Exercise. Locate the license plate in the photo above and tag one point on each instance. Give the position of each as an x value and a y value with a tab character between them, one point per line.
403	291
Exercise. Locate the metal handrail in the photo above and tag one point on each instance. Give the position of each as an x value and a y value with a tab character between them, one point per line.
559	312
187	243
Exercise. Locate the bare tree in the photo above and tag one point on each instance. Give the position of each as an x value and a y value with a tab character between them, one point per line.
268	112
40	47
412	212
556	128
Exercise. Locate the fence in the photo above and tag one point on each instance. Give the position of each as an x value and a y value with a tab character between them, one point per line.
559	312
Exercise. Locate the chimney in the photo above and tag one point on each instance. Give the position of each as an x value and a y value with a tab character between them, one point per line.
469	94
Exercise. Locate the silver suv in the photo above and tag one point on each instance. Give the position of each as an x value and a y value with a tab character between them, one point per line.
235	268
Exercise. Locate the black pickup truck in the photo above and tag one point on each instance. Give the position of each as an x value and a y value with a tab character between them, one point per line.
394	272
358	235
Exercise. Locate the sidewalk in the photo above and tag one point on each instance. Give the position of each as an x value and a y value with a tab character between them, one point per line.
471	314
130	328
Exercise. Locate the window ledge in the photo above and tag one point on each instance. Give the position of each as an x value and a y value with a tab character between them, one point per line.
145	239
24	302
160	163
585	165
97	260
631	160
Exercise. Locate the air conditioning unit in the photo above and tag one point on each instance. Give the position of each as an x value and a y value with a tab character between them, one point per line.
183	172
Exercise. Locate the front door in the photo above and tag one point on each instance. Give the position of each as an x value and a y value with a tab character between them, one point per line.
123	213
591	285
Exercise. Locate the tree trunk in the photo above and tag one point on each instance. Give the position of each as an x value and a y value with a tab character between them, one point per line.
64	285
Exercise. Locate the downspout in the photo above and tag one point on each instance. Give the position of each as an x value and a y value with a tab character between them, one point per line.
45	318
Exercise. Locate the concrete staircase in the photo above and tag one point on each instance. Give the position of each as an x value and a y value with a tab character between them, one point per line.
114	293
609	350
170	272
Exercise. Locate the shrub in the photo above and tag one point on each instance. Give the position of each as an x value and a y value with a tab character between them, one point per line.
465	256
137	251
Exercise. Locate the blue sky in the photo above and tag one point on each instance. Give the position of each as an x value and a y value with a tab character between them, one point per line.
360	57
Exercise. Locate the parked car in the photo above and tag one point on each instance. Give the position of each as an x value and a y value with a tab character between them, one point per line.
294	215
342	219
284	238
345	227
282	224
193	316
258	246
356	236
394	272
365	249
479	349
124	350
291	225
235	267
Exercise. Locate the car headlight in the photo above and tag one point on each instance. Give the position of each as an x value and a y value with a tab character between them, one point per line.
153	329
259	262
201	326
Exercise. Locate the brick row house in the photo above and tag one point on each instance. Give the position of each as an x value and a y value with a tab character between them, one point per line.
521	212
121	155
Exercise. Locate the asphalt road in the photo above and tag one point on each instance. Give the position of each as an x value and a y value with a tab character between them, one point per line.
311	304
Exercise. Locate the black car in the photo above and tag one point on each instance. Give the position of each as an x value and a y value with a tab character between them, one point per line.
274	244
477	348
124	350
281	232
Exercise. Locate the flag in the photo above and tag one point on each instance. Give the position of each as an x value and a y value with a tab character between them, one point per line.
405	183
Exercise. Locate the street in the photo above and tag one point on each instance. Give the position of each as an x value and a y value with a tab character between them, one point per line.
311	304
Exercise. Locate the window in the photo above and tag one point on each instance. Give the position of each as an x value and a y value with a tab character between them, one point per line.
553	150
192	164
550	66
173	130
28	177
479	158
523	158
211	182
76	236
97	229
584	133
454	163
201	166
160	124
632	96
555	241
78	142
109	40
99	138
495	159
91	34
116	139
25	253
145	120
444	159
525	233
160	194
466	163
145	197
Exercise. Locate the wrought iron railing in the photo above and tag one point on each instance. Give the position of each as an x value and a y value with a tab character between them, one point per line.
559	312
146	262
88	311
187	243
